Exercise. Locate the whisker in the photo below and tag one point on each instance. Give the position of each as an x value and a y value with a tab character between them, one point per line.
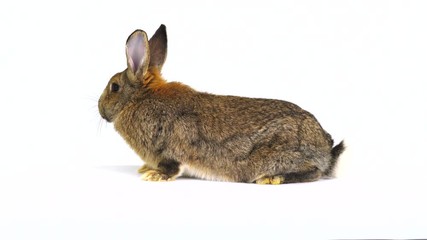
94	108
101	124
92	98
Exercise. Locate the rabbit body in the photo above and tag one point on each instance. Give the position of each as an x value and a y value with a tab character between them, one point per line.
179	131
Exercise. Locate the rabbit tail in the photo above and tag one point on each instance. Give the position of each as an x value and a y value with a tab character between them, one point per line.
335	153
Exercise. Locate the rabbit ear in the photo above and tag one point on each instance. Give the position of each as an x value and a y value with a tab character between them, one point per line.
137	54
158	47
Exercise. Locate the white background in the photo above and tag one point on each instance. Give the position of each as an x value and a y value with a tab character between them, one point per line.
358	66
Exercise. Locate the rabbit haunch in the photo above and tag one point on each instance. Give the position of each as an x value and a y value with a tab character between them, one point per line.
177	130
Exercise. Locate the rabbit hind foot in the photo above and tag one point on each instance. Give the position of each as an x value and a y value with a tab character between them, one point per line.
274	180
298	177
305	176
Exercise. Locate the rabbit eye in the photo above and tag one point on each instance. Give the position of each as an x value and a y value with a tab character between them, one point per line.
115	87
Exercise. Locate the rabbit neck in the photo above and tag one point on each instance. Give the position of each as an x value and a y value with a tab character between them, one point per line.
154	81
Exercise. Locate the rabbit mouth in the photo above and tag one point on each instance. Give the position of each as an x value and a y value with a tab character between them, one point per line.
106	118
103	114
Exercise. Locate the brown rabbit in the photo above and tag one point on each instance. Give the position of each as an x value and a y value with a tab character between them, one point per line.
177	130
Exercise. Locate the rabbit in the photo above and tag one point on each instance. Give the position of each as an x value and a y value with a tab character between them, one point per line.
178	131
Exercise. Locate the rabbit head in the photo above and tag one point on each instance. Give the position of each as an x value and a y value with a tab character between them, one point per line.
124	87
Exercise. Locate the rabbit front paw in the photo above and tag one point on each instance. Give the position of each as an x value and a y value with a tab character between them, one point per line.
155	175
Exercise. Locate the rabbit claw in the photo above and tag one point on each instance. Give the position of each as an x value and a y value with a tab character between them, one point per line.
155	176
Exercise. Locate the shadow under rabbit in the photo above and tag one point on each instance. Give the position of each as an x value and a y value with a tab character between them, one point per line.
131	170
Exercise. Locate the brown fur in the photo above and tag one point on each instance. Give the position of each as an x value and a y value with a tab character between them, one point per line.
177	130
